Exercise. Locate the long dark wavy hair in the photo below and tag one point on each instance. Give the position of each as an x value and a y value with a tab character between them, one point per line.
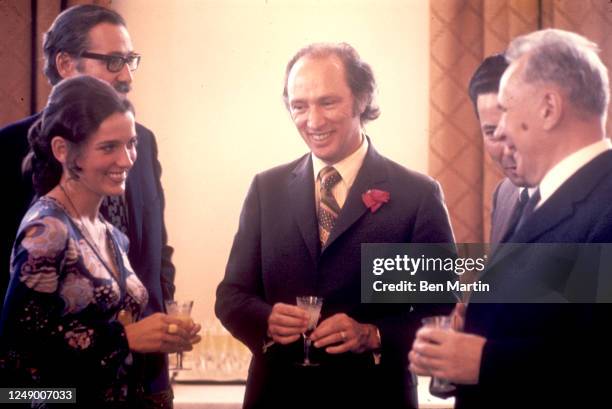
74	111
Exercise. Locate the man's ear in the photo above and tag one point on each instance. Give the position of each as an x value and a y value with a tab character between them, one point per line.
66	65
551	109
361	105
59	147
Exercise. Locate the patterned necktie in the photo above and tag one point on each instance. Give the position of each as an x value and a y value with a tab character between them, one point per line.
328	206
114	209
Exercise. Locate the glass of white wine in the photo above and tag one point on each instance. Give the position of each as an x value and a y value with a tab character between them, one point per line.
312	305
182	311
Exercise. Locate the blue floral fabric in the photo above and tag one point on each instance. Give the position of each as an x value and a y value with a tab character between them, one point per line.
59	324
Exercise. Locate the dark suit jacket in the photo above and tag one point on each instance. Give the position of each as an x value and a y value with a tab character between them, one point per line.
276	257
548	354
505	199
149	252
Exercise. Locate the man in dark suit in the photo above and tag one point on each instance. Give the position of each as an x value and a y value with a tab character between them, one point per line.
301	234
94	40
554	97
483	88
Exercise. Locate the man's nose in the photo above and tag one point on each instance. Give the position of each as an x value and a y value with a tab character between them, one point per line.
498	134
125	74
509	149
315	118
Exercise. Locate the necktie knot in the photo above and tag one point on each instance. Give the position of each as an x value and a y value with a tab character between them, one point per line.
528	208
329	177
522	210
530	205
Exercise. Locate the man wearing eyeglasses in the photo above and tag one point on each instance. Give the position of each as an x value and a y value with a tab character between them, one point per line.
94	40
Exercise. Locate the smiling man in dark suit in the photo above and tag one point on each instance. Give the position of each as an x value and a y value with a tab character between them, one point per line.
300	233
554	97
94	40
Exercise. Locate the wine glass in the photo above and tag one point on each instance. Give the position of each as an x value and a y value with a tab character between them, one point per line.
312	305
182	311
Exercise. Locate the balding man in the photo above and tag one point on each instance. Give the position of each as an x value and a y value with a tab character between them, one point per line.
541	348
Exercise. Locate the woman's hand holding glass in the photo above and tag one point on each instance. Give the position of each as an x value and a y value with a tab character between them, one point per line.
180	310
162	333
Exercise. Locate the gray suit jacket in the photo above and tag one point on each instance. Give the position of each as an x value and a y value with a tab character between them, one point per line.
505	199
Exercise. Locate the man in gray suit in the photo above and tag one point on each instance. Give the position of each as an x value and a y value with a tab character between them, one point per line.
483	89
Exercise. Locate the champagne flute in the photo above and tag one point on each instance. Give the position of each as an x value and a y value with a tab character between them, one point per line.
182	311
312	305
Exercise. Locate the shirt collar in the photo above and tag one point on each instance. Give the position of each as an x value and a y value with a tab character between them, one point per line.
563	170
347	167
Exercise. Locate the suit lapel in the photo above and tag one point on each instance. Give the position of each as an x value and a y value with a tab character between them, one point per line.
561	205
302	197
134	206
546	218
371	175
507	202
542	220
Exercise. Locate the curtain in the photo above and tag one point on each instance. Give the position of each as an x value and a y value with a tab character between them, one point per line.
462	33
15	55
592	19
23	86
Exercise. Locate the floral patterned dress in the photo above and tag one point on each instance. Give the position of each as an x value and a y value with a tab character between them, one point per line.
60	323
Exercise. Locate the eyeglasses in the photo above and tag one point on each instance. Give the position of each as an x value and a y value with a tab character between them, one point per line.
115	63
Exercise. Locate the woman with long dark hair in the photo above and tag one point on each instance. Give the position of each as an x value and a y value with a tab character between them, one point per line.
71	317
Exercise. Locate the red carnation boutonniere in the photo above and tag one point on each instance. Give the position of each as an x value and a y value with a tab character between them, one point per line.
375	198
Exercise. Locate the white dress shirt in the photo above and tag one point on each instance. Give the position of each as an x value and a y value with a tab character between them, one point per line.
347	168
568	166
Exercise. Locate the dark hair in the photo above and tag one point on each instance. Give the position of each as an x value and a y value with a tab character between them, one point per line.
69	34
75	109
359	75
486	78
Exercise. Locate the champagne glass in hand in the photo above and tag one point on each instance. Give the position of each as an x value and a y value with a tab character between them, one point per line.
182	311
312	306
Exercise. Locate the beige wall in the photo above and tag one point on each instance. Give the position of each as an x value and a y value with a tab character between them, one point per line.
209	86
